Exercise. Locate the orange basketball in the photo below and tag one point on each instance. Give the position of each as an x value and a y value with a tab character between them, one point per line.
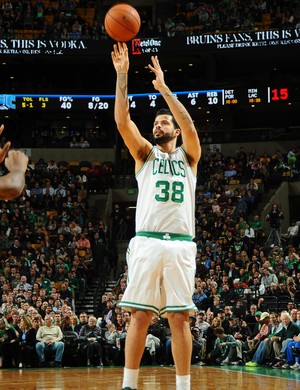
122	22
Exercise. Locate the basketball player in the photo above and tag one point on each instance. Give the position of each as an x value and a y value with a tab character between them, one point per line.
161	257
12	184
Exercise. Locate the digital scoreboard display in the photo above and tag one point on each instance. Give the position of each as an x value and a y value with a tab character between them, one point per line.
201	98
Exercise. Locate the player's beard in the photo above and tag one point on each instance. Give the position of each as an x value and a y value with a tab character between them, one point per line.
164	139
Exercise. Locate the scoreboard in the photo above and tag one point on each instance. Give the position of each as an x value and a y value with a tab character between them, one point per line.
200	98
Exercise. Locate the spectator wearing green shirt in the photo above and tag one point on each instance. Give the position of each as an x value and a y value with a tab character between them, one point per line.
225	348
257	225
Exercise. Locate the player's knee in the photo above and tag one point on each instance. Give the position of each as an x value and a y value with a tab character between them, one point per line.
179	319
141	319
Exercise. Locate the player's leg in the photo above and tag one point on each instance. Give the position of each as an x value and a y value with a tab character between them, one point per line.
181	348
181	341
135	346
136	337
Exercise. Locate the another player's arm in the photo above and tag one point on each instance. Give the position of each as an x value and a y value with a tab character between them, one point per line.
138	146
191	142
12	184
4	150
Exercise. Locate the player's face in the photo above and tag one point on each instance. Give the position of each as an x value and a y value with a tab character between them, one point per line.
164	130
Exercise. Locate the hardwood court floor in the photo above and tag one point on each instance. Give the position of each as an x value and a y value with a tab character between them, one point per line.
151	378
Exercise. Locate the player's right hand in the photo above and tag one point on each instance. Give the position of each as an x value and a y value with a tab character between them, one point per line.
120	57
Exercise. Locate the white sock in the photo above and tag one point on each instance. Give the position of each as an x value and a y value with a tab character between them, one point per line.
130	378
183	382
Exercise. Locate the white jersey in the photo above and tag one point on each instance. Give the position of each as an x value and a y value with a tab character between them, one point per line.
166	199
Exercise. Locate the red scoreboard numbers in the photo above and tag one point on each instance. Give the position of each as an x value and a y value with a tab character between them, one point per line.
279	94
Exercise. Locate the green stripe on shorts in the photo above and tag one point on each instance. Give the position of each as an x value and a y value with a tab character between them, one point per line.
138	306
177	309
166	236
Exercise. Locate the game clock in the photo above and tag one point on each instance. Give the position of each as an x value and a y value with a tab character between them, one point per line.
198	98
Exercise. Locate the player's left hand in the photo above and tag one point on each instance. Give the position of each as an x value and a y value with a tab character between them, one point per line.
5	148
159	81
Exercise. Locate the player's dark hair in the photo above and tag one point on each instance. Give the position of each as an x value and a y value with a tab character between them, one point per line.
166	111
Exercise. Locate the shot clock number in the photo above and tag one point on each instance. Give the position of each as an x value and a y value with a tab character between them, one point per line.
279	94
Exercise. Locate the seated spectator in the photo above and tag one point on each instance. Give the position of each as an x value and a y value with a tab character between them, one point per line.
8	338
28	18
199	297
225	348
201	323
66	293
199	347
170	27
292	360
83	242
27	341
91	339
268	278
49	337
112	337
239	308
83	143
75	34
66	324
75	141
119	323
270	347
291	236
83	320
227	294
251	344
23	282
154	339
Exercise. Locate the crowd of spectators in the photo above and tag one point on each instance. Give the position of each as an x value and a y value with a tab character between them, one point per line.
184	18
49	250
65	21
50	246
213	16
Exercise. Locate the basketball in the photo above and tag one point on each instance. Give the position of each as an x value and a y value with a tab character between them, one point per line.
122	22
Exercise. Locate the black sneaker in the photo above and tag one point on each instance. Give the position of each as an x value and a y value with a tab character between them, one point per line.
42	364
57	364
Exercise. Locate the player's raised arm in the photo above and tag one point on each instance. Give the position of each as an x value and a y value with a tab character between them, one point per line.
138	146
191	142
